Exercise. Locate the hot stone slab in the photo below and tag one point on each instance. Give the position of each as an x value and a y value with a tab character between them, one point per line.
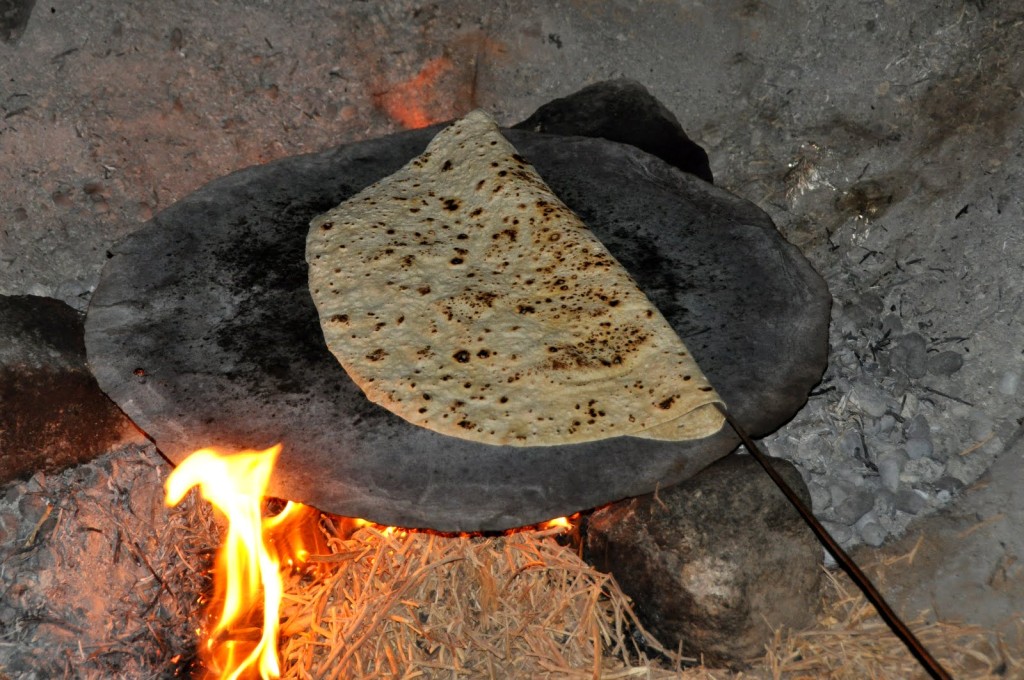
202	329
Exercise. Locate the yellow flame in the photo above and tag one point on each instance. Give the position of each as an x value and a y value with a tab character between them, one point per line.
558	522
235	485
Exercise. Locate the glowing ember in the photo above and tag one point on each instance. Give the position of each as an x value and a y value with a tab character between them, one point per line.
415	103
558	522
248	562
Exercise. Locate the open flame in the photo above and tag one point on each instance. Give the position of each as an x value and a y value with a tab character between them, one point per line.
250	559
253	555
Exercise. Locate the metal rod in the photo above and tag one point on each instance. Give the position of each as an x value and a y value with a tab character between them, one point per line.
923	656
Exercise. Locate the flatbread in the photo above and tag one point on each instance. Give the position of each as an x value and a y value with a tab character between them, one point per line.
461	294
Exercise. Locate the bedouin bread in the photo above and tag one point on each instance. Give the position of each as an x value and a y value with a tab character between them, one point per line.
461	294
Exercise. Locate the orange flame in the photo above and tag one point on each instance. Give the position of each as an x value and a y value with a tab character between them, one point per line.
558	522
248	561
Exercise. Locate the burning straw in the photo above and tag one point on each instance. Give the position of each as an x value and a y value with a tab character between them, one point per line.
380	602
411	604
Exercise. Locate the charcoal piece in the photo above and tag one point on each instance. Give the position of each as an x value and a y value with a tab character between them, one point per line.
202	328
52	412
622	111
716	563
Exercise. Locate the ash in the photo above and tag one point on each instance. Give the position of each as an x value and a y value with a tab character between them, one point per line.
97	578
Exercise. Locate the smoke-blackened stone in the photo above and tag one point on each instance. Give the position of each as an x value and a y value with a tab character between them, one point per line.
52	412
622	111
715	563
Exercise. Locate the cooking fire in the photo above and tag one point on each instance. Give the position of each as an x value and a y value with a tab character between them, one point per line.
257	554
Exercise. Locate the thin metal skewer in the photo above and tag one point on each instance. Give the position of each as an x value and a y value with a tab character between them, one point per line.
923	656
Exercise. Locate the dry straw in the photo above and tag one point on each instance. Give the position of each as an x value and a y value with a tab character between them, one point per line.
382	603
397	604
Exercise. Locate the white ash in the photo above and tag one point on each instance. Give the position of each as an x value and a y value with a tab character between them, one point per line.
891	433
94	580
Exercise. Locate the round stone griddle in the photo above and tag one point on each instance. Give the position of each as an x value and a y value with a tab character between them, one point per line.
203	330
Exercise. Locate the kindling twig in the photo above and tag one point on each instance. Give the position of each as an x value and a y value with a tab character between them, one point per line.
901	630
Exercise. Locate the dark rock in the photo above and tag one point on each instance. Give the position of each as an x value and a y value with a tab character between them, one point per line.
858	502
949	484
915	360
14	16
622	111
203	329
945	363
52	412
716	563
892	324
910	501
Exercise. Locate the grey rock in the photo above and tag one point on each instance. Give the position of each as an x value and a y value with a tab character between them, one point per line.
838	493
716	563
854	476
872	303
910	501
892	324
873	534
52	412
889	472
915	360
947	362
886	424
204	344
851	444
842	533
919	447
885	504
870	400
918	427
622	111
1008	383
993	446
820	497
981	427
9	524
858	502
854	316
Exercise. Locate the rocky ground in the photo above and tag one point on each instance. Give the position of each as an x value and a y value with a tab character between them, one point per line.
884	139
